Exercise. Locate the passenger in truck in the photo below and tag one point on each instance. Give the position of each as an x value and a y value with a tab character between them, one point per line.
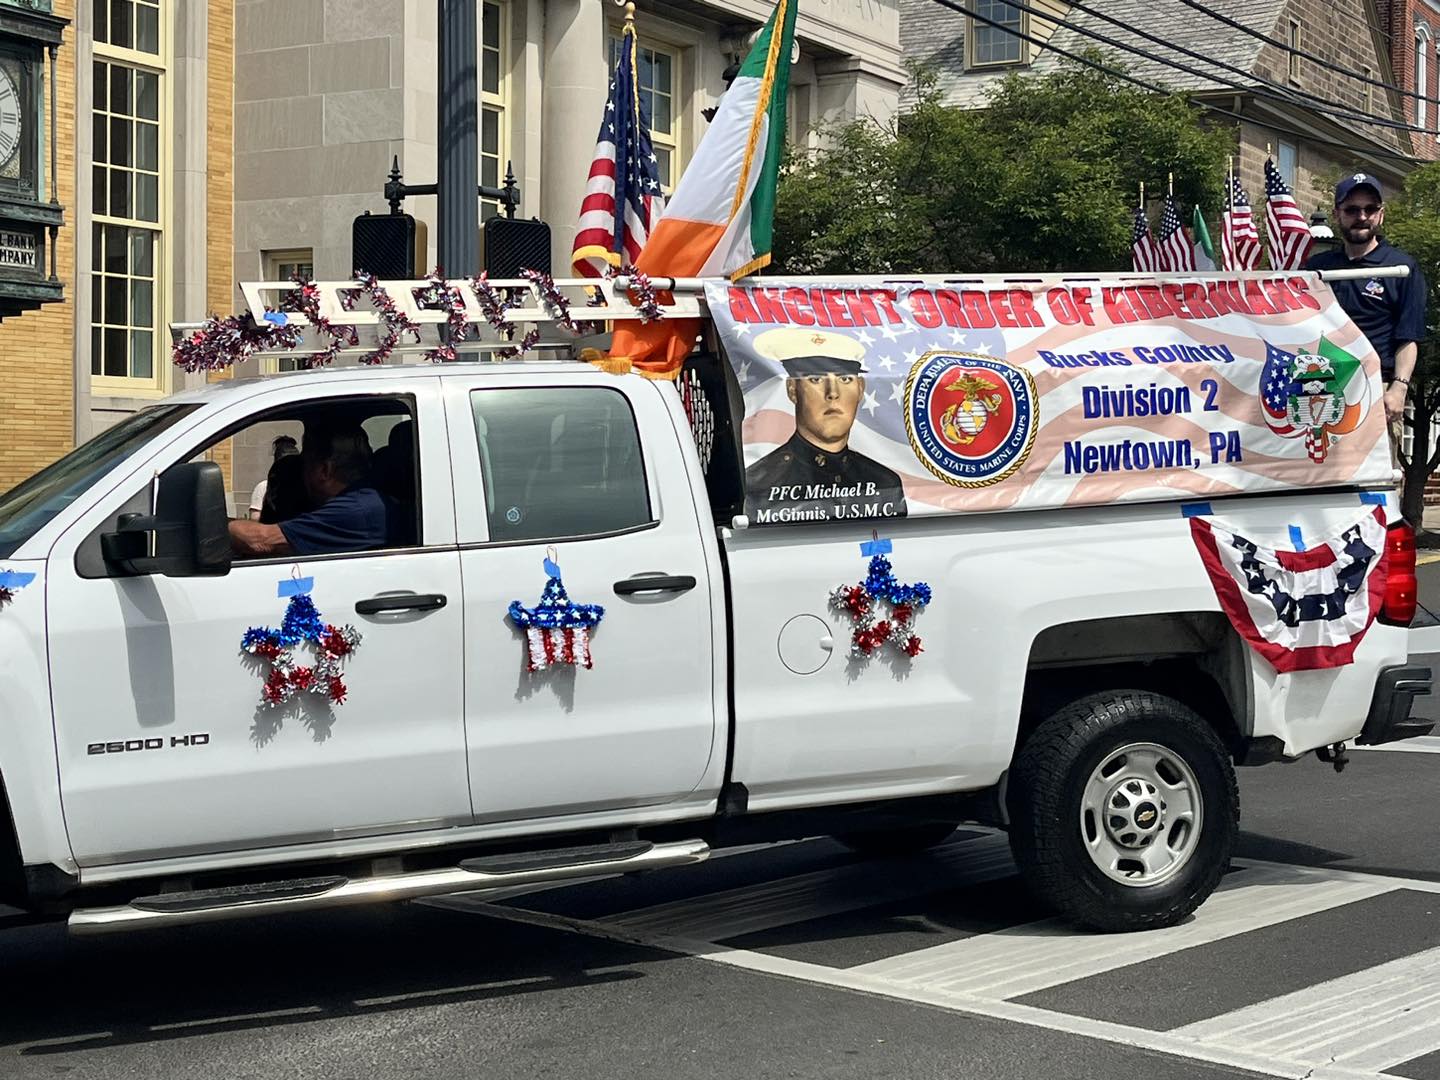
349	515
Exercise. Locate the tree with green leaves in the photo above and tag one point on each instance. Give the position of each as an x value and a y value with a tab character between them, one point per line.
1044	178
1412	222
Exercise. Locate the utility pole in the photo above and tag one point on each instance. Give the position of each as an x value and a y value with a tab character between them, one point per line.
458	165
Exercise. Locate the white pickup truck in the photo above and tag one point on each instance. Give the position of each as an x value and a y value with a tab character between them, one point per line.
1079	684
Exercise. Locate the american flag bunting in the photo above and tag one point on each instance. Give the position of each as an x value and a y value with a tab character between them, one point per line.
1143	253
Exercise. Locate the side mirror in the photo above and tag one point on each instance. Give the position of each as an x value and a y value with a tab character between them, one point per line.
187	536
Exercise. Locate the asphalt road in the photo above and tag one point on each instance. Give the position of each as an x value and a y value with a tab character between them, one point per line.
1320	956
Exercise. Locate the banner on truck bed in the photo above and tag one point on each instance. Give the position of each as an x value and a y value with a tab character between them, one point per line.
890	398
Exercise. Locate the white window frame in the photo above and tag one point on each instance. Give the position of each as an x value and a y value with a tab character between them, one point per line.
158	382
973	26
672	140
495	101
279	266
1292	56
1289	173
1422	73
1368	89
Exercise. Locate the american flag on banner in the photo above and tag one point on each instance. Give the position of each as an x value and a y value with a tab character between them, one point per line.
623	201
1286	229
1300	610
1143	252
1239	239
1175	250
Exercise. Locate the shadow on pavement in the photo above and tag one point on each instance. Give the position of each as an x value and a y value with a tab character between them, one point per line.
62	995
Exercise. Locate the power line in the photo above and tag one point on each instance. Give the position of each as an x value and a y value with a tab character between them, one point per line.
1329	65
1106	39
1155	88
1292	92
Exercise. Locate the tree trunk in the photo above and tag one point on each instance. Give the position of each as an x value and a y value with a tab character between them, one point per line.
1417	469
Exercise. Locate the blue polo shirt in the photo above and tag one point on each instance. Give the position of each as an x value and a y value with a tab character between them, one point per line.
354	520
1390	311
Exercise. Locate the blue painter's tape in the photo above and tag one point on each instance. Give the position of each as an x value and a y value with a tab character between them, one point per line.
1373	498
295	586
551	568
15	579
1296	540
279	318
876	547
1195	510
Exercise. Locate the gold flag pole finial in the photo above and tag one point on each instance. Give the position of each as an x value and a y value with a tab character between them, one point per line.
1170	180
1142	194
630	13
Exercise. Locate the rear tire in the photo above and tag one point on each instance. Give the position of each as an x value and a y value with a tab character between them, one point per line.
903	840
1124	811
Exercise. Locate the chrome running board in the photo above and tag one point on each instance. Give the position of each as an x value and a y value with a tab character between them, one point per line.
281	897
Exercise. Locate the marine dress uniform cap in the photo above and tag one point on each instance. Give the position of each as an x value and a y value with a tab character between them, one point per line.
812	352
1359	179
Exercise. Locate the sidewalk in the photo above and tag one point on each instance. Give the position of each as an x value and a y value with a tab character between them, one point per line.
1429	537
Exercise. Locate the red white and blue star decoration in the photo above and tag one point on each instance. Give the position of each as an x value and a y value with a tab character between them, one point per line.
11	582
303	624
866	604
557	630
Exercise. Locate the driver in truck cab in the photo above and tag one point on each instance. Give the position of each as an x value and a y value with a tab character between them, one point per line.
349	513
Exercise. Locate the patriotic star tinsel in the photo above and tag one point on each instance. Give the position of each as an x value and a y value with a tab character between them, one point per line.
642	294
394	323
442	296
11	581
557	630
863	604
284	677
556	305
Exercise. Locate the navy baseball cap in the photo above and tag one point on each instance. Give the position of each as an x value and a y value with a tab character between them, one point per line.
1359	179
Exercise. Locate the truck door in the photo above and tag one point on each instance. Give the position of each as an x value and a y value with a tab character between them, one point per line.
165	747
587	472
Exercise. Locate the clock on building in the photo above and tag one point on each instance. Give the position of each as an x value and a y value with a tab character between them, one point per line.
12	124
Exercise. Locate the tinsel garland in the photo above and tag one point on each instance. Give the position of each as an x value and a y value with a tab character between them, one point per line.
642	293
861	603
306	297
394	323
285	678
235	338
440	295
556	305
557	630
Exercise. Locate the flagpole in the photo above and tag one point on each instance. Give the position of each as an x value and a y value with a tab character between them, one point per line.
1228	226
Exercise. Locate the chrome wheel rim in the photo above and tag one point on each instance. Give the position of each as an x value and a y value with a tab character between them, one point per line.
1140	814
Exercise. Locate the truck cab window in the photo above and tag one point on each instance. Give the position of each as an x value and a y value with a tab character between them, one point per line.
559	463
322	478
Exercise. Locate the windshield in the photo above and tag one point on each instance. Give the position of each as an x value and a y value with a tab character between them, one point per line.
25	509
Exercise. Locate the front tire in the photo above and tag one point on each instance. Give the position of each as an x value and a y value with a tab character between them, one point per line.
1123	811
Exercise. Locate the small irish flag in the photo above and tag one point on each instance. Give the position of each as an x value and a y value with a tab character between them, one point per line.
718	222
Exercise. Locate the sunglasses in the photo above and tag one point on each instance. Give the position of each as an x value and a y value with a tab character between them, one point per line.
1368	210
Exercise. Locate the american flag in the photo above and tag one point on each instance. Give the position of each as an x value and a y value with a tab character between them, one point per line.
1143	252
1276	385
623	200
1175	250
1286	229
1239	239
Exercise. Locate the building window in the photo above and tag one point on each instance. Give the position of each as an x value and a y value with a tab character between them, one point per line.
1293	56
1286	161
658	76
1366	88
285	266
494	103
127	197
1422	74
995	44
797	115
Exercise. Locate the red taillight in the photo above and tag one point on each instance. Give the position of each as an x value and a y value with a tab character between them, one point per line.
1401	586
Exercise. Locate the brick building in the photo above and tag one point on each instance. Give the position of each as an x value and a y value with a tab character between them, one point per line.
1310	143
1413	30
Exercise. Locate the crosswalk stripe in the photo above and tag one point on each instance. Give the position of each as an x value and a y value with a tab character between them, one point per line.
753	908
1011	963
1371	1020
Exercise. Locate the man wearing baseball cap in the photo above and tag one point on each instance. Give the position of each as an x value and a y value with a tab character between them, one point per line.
815	475
1390	311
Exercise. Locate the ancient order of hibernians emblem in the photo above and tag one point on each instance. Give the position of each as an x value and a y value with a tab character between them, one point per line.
970	418
1318	396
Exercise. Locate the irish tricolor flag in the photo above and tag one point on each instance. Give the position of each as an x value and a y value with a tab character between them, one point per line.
719	220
